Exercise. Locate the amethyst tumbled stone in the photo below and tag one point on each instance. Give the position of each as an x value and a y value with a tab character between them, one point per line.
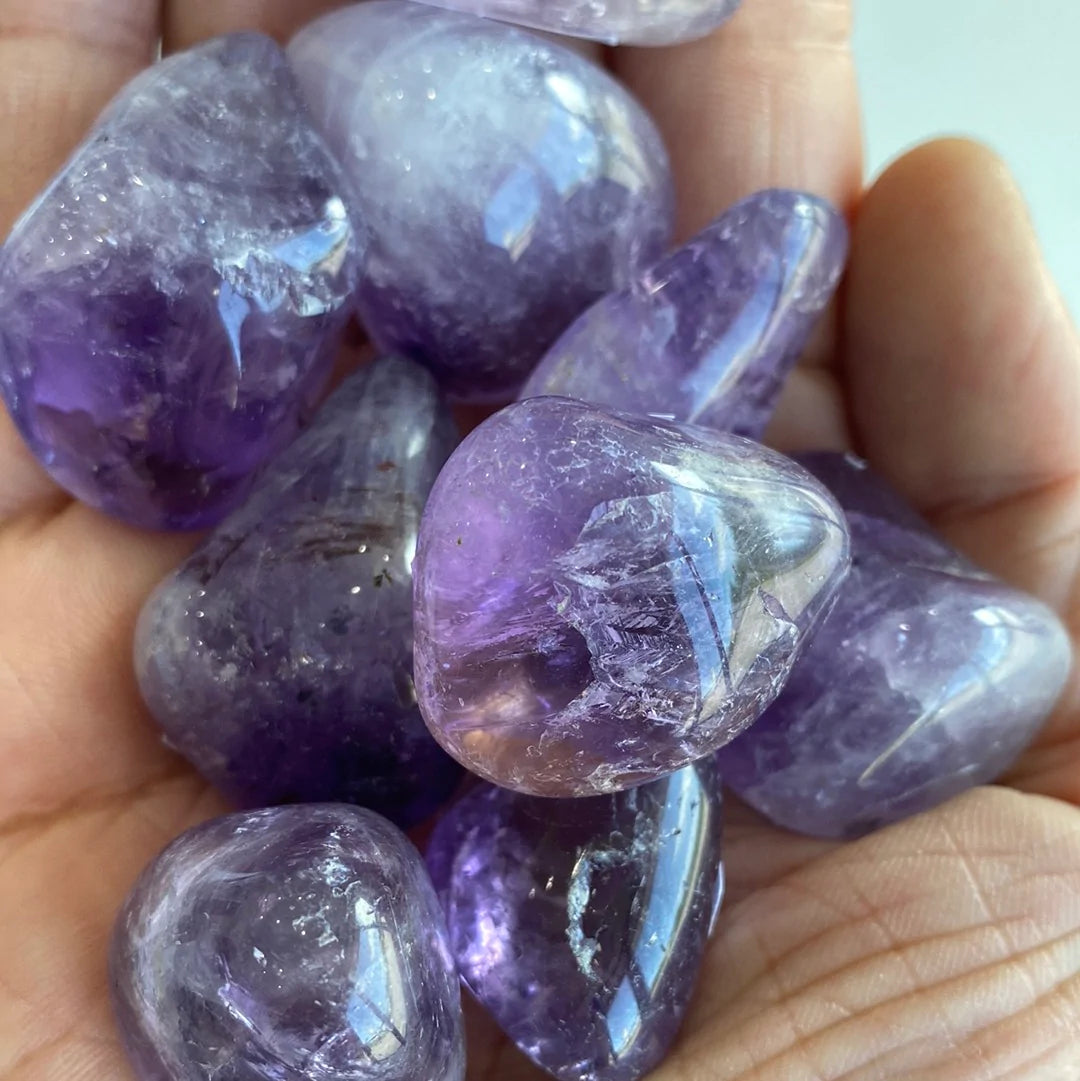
928	677
294	944
278	658
602	599
630	22
508	181
709	333
169	307
581	924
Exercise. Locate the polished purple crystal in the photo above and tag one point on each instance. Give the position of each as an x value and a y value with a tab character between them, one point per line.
509	183
278	658
709	333
602	599
294	944
629	22
169	307
928	677
581	924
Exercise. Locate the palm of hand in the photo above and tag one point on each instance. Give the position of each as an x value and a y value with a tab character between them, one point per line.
945	947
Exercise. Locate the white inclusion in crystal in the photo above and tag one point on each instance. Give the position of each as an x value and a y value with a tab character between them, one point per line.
623	1019
378	1006
577	904
679	850
512	213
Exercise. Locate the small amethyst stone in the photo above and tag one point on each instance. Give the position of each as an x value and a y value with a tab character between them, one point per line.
628	22
509	183
581	924
169	308
295	944
602	599
929	677
709	334
278	658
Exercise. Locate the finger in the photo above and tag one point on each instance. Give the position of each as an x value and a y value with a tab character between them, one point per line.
188	22
74	728
60	62
769	100
963	367
945	947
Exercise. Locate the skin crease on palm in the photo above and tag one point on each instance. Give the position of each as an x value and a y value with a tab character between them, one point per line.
946	948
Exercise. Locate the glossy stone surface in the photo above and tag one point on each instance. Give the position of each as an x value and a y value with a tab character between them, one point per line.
581	924
294	944
630	22
170	306
709	333
508	181
602	599
278	658
929	677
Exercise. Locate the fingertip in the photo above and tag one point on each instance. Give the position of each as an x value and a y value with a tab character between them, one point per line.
963	365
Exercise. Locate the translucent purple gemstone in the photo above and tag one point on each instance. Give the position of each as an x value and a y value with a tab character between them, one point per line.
928	677
602	599
169	307
295	944
709	333
630	22
278	658
509	183
581	924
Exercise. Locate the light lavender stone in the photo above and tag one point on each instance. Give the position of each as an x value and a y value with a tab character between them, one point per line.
928	677
508	183
709	333
629	22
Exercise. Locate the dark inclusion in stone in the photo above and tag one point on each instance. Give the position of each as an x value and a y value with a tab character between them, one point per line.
928	677
581	924
171	304
293	944
278	659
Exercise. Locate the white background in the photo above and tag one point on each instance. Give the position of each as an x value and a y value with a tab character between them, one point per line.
1006	71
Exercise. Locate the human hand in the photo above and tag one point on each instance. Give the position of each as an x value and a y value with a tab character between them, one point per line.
947	947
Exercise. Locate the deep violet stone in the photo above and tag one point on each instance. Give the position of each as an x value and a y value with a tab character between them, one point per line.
601	599
928	677
508	181
278	658
709	333
294	944
581	924
630	22
170	306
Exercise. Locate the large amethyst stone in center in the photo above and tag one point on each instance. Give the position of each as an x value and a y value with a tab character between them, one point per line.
601	599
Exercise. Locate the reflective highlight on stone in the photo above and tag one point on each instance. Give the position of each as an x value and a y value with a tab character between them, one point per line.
928	677
170	306
581	924
709	333
509	183
278	658
602	599
295	944
630	22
